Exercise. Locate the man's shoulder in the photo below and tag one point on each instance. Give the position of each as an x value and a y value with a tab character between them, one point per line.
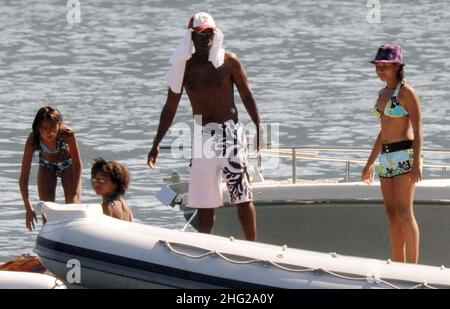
232	59
231	56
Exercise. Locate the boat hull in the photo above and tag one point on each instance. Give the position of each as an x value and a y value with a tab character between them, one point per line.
350	229
111	253
27	280
347	218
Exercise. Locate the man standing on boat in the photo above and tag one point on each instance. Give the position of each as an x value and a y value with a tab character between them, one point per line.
208	74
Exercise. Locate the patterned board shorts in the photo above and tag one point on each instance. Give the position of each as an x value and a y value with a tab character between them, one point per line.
222	152
396	159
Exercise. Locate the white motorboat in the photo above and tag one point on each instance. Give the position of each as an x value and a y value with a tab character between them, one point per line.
331	215
80	243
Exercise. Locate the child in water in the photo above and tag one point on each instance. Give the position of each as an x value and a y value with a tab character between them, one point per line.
111	180
59	156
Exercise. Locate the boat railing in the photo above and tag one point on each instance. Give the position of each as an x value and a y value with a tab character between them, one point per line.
296	153
316	154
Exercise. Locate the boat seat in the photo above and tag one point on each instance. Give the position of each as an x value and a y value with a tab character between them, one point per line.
59	212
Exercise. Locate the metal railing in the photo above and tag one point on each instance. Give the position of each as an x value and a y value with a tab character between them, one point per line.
313	154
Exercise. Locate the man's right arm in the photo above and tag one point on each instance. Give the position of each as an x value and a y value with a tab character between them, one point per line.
165	121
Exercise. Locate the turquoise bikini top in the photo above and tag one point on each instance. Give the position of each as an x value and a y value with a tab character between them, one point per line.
393	108
60	145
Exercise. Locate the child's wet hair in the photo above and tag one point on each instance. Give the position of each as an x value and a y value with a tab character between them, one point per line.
118	174
49	113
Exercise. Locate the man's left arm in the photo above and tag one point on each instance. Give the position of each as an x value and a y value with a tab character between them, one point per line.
240	80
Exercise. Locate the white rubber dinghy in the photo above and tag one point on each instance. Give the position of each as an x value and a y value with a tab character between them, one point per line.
27	280
85	247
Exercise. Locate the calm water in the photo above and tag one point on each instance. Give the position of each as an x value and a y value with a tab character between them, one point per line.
307	64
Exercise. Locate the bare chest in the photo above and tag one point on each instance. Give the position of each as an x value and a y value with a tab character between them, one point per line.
205	76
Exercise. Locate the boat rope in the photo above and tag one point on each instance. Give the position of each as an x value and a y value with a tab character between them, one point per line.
370	279
169	245
237	262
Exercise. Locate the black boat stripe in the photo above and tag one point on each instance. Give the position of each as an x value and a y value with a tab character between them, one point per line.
145	266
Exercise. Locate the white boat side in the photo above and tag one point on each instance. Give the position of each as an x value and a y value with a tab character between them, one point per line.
427	191
347	217
119	254
27	280
281	192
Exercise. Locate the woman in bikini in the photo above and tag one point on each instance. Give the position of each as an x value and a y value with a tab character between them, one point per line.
59	156
400	144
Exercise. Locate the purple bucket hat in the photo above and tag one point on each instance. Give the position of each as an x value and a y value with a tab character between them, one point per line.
389	53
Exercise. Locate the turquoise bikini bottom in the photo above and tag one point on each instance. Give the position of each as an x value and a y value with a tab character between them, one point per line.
394	160
56	167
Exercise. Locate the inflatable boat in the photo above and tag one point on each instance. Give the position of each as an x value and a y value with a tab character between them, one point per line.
26	280
81	245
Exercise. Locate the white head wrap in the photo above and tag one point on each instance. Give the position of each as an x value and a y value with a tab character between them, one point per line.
186	48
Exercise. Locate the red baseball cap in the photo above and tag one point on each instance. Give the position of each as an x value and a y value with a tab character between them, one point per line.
201	21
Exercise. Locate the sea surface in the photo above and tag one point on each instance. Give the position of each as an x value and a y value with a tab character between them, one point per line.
307	64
